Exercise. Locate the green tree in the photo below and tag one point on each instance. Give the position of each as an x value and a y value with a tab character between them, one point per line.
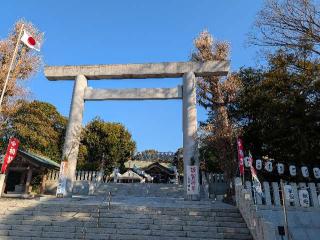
39	127
105	145
209	159
178	160
279	106
279	109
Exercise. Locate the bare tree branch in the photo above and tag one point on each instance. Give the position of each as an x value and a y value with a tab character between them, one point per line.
293	25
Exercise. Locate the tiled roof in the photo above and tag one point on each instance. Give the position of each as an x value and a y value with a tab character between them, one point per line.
40	159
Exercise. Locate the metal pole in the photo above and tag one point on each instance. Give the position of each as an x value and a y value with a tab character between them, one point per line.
10	67
286	226
254	195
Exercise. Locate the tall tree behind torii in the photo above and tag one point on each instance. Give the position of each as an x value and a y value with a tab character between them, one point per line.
215	94
26	64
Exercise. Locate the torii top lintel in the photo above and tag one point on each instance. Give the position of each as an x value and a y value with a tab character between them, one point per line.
136	71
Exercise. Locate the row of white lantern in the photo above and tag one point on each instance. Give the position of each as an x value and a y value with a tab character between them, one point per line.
268	166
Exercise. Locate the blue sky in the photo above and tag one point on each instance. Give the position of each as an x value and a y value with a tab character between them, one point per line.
127	31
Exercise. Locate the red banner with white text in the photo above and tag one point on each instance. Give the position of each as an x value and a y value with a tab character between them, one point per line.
240	155
10	154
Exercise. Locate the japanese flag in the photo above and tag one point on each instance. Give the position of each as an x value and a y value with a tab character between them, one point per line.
31	42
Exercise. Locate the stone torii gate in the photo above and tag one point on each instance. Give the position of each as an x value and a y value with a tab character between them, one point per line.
82	92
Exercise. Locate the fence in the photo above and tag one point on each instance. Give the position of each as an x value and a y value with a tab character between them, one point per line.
80	176
297	194
264	218
214	185
83	180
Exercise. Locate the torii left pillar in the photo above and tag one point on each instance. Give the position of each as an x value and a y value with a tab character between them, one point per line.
72	139
190	146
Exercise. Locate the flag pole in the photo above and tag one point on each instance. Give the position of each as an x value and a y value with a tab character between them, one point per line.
254	194
285	215
243	178
10	66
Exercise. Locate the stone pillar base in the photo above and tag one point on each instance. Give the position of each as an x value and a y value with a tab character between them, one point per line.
2	183
193	197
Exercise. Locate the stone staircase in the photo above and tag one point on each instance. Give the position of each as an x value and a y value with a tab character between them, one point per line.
137	218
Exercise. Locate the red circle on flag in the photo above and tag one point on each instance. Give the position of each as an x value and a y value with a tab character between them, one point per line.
31	41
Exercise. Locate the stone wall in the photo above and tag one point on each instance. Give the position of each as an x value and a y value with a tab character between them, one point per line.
263	220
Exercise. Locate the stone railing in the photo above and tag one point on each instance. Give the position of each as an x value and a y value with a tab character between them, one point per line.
272	194
84	180
264	215
80	175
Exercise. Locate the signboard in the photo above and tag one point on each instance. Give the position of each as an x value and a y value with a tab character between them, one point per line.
62	185
10	154
193	180
288	193
304	198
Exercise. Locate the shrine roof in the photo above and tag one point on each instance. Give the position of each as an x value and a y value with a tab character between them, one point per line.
46	162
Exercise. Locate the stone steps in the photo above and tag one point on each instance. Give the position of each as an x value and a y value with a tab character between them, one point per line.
67	219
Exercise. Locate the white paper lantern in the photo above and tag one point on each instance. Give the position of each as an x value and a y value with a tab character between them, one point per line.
289	193
268	166
258	164
280	168
293	170
305	171
316	172
246	161
304	198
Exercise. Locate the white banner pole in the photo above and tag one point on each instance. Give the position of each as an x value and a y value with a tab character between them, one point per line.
11	65
286	225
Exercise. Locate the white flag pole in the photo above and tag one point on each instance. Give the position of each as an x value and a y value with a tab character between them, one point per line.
11	65
285	214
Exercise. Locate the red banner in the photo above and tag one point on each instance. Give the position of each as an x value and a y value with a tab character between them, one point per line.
240	155
10	154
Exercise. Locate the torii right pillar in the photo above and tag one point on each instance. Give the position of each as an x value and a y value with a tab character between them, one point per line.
190	145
